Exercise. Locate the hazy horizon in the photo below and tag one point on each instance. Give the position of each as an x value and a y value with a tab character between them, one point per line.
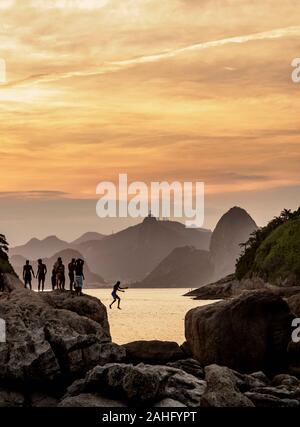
27	226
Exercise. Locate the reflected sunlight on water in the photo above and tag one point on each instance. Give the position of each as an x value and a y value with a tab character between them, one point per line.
147	314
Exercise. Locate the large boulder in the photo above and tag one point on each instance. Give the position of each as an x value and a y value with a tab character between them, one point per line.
141	384
249	333
190	366
157	352
294	304
222	389
262	400
46	342
286	381
87	400
169	403
10	398
38	399
86	306
11	282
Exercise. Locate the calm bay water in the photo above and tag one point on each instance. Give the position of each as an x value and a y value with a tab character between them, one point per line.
147	314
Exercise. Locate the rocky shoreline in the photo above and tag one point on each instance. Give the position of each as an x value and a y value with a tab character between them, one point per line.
231	287
59	352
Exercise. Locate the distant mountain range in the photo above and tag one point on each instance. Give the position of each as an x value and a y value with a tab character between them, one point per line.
133	253
36	248
188	267
86	237
154	253
92	280
184	267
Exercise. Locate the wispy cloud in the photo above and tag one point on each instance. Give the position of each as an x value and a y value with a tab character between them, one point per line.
57	4
182	90
111	67
34	194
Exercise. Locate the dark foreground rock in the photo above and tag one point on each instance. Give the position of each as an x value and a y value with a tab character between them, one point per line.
86	306
141	384
294	304
222	389
262	400
169	403
56	338
249	333
160	386
11	398
90	401
190	366
48	341
11	282
157	352
294	345
228	388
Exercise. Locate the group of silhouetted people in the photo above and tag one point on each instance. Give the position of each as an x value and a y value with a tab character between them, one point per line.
58	278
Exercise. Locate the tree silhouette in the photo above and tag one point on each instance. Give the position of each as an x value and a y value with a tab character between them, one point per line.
3	247
5	266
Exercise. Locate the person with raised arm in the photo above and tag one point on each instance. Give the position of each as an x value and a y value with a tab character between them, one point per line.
117	288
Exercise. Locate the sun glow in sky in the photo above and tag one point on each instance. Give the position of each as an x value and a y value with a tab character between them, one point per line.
173	90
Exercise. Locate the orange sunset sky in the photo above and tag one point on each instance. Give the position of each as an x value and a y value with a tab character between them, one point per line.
196	90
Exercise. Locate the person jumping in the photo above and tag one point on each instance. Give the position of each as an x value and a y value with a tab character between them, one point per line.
115	296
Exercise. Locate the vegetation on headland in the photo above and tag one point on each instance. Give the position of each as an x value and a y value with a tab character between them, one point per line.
273	252
5	266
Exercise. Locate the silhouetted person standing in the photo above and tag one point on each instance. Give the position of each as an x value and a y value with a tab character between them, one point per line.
115	296
27	274
60	274
71	267
53	279
41	274
79	276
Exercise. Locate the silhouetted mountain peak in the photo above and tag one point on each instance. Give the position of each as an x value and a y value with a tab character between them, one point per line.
233	228
51	239
236	214
185	266
36	248
89	236
150	219
33	240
